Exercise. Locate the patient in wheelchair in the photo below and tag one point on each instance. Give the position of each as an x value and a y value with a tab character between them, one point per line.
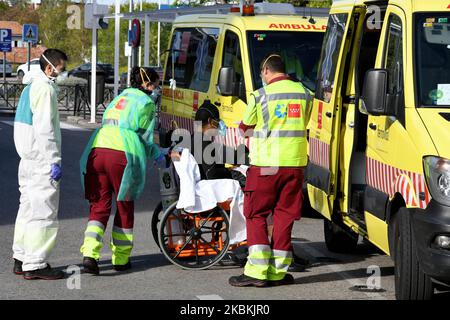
215	160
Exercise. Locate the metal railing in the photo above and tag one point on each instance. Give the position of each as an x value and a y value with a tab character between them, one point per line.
71	97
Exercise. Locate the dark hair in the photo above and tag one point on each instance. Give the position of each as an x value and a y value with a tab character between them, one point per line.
55	56
136	79
152	74
206	111
274	62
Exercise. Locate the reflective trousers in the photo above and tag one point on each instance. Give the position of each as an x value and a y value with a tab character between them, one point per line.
277	192
36	223
104	173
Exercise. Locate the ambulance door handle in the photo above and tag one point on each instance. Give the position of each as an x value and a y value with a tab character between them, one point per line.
373	126
329	114
351	124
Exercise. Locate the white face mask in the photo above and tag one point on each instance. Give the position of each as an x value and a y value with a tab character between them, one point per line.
52	78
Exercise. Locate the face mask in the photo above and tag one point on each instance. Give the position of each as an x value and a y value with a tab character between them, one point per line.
222	128
51	77
263	82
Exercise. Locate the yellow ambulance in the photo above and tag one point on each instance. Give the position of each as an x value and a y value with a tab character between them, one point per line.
379	142
216	57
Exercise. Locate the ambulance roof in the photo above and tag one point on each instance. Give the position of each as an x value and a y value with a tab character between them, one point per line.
407	5
258	22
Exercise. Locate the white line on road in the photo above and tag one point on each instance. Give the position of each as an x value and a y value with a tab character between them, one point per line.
210	297
340	271
63	125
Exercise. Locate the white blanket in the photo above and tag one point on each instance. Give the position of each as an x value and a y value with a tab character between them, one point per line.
202	195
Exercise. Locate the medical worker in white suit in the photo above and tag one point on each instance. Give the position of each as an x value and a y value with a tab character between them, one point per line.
37	137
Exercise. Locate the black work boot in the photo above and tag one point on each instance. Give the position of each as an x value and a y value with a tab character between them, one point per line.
122	267
288	279
90	265
18	267
44	274
246	281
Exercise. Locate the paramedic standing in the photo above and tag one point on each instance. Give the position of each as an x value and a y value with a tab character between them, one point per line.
276	114
37	137
114	162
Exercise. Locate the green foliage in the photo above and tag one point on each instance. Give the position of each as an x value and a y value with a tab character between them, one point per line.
52	17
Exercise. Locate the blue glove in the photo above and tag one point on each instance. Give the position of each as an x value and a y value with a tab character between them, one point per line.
161	159
164	151
56	172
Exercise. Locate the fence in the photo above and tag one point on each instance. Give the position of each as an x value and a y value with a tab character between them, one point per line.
71	97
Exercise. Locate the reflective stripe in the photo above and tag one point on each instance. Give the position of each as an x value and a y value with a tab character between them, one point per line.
258	261
122	243
282	253
286	96
111	122
94	235
96	224
261	134
257	248
122	231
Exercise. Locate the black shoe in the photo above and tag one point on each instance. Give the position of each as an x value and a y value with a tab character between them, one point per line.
300	261
90	266
246	281
18	267
45	274
122	267
295	267
288	279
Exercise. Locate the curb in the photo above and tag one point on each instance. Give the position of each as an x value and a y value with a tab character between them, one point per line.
82	123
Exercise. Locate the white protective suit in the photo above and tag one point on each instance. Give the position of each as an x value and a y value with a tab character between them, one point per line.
201	195
37	137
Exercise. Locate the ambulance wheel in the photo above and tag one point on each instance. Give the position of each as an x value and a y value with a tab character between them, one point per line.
411	283
203	237
156	218
338	239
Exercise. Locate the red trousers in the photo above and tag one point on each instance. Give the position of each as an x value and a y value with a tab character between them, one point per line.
104	173
278	193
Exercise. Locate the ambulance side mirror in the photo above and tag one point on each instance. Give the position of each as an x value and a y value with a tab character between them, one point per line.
226	85
374	95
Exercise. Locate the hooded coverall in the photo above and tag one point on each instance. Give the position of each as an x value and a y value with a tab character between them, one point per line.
114	162
37	137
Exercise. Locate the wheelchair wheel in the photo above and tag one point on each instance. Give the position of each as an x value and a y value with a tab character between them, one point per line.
194	241
156	218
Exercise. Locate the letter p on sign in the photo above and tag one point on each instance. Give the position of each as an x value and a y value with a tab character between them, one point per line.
3	35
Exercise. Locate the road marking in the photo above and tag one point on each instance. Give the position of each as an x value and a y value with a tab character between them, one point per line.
63	125
210	297
340	271
67	126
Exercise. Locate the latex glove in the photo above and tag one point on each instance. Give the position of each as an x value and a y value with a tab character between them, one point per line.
164	151
160	160
56	172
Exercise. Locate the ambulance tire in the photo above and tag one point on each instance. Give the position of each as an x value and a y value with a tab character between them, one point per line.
156	218
411	283
338	239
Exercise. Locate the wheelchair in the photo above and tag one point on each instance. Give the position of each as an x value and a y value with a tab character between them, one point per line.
193	241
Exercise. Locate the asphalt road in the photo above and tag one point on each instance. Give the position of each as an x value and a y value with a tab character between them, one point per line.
330	276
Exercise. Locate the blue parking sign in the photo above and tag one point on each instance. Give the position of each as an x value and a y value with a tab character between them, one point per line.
5	40
30	33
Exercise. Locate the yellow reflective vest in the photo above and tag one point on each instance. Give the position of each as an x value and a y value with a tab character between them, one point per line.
279	113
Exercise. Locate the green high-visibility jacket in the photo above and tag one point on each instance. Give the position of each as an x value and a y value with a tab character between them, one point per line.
127	125
279	111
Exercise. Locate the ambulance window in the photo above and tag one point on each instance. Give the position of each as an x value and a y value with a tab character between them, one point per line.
330	55
191	57
232	58
432	59
394	55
